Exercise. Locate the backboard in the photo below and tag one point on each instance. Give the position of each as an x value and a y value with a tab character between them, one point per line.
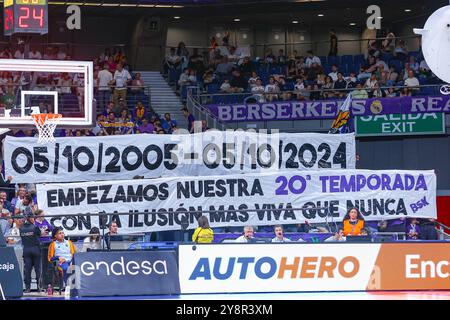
46	86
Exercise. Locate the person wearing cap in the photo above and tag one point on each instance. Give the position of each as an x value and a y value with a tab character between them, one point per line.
30	234
61	250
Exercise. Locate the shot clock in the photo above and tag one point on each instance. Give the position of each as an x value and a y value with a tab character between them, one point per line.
25	16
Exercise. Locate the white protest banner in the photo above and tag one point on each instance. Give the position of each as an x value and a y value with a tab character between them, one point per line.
244	199
153	156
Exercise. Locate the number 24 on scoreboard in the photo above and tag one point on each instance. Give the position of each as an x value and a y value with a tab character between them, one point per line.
25	16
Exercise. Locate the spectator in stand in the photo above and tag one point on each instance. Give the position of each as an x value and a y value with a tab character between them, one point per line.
247	67
238	83
20	53
252	80
146	127
6	53
412	83
137	85
359	92
351	80
190	118
314	71
140	112
333	43
196	63
65	84
4	202
4	221
183	53
377	92
372	48
401	51
353	223
326	92
271	90
384	79
209	77
35	54
392	75
370	83
112	235
299	88
315	92
105	78
225	87
412	229
340	84
270	57
389	42
203	234
413	65
112	66
428	229
258	91
168	124
172	61
247	236
224	67
282	59
279	235
93	241
45	226
15	202
121	80
311	59
59	55
334	72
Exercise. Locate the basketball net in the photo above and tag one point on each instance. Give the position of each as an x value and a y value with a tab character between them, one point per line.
46	124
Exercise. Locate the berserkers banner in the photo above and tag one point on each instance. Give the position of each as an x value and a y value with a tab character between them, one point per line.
154	156
244	199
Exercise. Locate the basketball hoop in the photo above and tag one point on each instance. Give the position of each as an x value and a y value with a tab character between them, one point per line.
46	124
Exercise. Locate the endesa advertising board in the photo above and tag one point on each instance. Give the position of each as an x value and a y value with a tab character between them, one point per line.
228	268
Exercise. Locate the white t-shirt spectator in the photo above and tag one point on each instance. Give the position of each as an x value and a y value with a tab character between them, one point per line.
412	82
272	88
104	78
334	76
225	87
314	59
18	55
242	239
299	86
371	83
121	78
258	92
35	55
280	241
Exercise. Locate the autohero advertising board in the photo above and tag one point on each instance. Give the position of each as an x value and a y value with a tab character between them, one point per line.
289	267
154	156
239	200
127	273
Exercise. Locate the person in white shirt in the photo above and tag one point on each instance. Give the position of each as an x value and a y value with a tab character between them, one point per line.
370	83
19	54
412	82
104	92
279	235
311	58
93	241
334	72
34	54
253	79
225	87
121	79
271	90
247	236
258	90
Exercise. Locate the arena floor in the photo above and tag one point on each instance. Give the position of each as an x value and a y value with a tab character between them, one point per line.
382	295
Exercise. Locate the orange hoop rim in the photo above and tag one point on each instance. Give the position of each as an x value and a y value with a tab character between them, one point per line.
41	118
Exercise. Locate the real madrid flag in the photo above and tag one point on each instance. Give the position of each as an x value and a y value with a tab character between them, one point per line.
342	122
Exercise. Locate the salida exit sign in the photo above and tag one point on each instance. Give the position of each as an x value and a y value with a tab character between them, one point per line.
400	124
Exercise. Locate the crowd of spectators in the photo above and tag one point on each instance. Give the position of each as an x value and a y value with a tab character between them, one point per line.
388	70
